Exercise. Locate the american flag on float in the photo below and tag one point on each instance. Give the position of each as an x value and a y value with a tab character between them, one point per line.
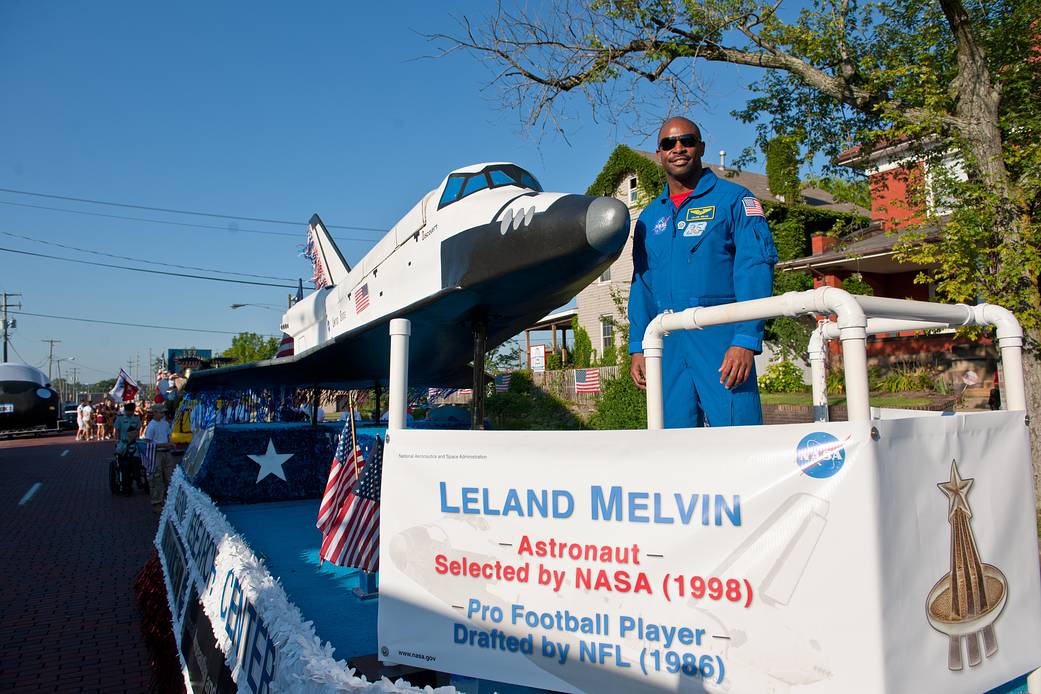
371	481
361	298
502	383
147	451
341	479
587	380
753	208
285	347
465	391
352	537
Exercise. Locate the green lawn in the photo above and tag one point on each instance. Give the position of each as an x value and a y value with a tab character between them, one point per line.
876	399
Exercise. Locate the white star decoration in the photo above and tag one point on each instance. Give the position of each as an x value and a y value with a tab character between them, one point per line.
270	462
957	490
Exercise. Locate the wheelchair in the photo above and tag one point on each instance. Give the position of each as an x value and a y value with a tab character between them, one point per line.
125	471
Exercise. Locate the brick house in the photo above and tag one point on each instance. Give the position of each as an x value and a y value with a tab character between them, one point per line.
902	190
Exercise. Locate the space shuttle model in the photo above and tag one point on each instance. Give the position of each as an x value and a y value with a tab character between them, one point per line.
478	259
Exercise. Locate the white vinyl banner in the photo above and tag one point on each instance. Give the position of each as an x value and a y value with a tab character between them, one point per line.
810	558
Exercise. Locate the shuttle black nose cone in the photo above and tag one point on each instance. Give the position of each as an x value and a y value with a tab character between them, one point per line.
607	225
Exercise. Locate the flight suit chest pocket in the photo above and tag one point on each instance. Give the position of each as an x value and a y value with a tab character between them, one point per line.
659	236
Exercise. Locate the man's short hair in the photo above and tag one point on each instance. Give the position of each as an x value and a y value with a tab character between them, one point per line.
129	407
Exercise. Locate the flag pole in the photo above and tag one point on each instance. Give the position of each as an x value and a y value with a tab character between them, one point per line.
354	437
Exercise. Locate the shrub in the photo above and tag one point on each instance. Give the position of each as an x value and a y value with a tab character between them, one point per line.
525	406
905	378
583	351
782	377
855	284
621	405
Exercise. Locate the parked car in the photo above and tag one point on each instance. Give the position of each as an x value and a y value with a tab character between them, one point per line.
68	418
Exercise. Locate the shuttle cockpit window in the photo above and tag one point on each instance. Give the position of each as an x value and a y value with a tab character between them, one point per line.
461	185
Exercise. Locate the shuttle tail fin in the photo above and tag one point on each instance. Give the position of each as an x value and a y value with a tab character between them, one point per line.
329	264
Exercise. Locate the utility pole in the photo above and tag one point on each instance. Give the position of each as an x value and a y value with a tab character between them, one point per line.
8	323
50	356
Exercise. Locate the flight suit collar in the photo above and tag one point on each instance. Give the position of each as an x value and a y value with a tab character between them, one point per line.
706	183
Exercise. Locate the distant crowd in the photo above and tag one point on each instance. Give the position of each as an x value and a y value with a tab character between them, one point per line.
97	421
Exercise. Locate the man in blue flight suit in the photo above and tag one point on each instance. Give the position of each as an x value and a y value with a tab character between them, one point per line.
703	242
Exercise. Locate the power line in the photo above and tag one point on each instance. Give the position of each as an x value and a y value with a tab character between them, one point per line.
142	260
172	223
176	211
148	271
130	325
14	349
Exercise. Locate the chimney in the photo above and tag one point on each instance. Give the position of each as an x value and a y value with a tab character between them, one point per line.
723	159
822	243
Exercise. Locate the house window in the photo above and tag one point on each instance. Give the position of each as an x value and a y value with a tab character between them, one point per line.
633	190
605	276
606	334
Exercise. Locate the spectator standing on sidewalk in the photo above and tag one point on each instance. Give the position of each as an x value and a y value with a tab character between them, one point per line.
157	433
83	419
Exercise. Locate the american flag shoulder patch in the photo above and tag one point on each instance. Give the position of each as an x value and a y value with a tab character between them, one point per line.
753	208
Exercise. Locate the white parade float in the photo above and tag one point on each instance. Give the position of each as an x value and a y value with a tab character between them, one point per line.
893	552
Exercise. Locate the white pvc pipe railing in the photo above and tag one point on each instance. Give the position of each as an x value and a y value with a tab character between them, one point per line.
852	328
824	300
400	330
895	315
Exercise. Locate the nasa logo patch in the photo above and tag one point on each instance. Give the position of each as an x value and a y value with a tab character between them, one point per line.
661	225
681	225
820	455
695	228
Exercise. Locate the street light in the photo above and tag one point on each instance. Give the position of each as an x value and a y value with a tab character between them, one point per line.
269	307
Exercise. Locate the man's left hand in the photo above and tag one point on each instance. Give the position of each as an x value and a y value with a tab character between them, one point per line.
737	365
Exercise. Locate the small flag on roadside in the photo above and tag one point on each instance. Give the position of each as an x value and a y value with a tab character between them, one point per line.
147	451
502	383
361	298
125	389
753	208
587	380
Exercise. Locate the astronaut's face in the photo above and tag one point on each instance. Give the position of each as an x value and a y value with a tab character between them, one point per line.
680	148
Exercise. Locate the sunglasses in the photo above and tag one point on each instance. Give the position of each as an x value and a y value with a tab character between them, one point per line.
668	143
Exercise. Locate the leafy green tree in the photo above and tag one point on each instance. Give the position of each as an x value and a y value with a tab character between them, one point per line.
102	386
621	404
582	353
250	347
782	168
856	190
504	358
948	80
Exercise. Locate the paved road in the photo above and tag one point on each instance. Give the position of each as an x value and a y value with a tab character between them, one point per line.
69	551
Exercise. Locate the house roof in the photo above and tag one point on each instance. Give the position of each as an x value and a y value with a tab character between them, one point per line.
865	250
554	319
759	185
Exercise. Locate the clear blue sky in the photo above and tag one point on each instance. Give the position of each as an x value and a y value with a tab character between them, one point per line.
259	109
